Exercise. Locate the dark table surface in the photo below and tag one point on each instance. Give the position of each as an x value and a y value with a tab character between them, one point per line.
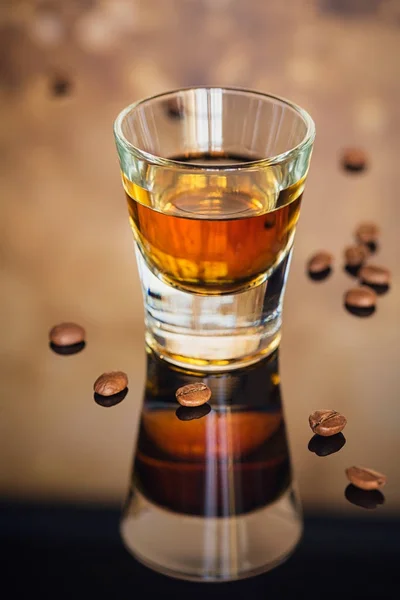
76	552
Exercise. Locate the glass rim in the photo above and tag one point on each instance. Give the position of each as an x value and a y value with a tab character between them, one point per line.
176	164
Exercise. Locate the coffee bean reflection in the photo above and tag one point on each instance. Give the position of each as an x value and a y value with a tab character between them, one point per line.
323	446
188	413
365	499
321	275
379	289
108	401
360	311
67	350
352	270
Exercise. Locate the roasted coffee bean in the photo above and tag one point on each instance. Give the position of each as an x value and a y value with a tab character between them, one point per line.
377	278
367	232
175	108
188	413
323	446
67	350
365	479
360	301
355	256
327	422
108	401
67	334
193	394
354	160
366	499
110	383
320	266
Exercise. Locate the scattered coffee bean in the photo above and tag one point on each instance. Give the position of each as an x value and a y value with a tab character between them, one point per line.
327	422
354	160
323	446
365	479
377	278
320	266
355	257
366	499
66	334
108	401
67	350
193	394
360	301
188	413
368	234
110	383
175	108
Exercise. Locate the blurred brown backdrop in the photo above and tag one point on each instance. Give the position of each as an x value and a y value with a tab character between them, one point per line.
66	248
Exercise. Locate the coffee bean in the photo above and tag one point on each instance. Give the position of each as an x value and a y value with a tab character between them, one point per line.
354	160
366	499
67	350
355	256
367	232
327	422
188	413
324	446
108	401
377	278
66	334
110	383
365	479
360	301
320	266
193	394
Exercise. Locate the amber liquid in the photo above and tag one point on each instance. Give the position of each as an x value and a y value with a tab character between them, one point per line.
229	462
208	235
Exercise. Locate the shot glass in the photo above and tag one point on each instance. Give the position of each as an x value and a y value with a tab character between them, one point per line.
214	179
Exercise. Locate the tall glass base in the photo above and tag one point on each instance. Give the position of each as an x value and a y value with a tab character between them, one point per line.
213	549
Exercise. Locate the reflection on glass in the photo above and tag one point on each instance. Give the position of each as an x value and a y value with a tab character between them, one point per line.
211	496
